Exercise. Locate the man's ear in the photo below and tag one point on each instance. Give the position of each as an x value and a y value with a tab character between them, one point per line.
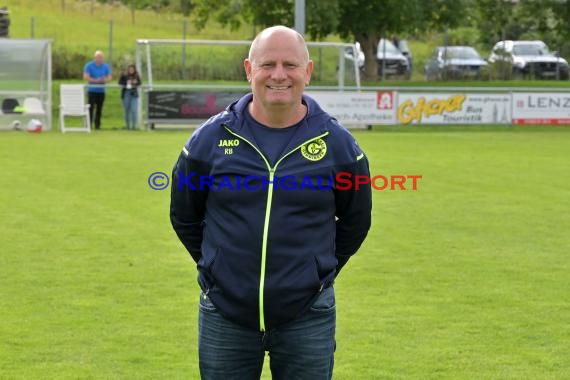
247	68
310	67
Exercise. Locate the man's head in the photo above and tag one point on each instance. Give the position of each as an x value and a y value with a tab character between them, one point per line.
99	57
278	68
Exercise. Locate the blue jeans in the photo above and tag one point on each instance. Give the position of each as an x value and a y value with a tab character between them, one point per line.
130	104
302	349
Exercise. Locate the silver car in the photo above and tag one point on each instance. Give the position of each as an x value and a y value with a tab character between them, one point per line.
528	59
391	60
454	62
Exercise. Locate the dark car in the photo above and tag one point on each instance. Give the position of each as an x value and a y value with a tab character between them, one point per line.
528	59
391	61
454	62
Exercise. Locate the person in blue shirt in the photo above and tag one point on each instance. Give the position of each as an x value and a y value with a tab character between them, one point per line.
97	72
255	203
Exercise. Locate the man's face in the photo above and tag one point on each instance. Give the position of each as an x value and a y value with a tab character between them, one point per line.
98	59
279	70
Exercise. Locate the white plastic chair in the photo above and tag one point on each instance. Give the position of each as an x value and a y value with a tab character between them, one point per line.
72	103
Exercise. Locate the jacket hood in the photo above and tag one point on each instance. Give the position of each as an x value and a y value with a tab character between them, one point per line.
235	112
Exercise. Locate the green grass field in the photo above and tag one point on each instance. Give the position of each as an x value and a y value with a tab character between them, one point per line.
465	278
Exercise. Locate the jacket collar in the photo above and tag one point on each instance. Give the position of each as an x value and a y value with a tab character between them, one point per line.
313	125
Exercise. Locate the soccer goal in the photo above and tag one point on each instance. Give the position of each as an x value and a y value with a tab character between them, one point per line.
186	81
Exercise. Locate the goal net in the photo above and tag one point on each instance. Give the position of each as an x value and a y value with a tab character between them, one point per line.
212	61
188	79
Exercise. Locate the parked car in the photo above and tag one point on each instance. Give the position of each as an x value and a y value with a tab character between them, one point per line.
391	60
405	50
454	62
528	59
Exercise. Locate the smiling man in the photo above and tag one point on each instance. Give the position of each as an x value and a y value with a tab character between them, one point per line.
268	255
278	68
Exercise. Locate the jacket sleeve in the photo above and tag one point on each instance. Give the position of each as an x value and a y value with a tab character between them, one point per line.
353	212
188	202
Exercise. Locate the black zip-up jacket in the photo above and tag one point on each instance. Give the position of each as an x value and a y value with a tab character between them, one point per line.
267	239
124	78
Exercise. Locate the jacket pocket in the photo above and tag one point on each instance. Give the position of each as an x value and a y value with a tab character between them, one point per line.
325	275
236	274
325	302
205	278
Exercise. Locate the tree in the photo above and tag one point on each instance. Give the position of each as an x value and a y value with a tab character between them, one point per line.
507	19
513	20
321	15
367	21
225	12
442	14
186	7
561	16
